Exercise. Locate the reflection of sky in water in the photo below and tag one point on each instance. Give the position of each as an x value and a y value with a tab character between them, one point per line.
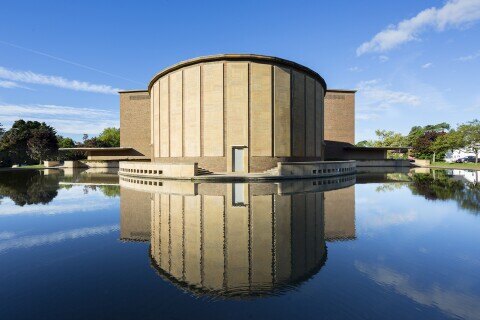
408	257
426	251
29	226
72	200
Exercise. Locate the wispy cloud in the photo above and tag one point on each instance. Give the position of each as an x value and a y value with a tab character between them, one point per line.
383	58
354	69
66	119
469	57
55	81
43	239
10	85
375	97
366	116
379	96
454	14
427	65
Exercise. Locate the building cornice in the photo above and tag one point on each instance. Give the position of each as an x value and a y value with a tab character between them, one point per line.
239	57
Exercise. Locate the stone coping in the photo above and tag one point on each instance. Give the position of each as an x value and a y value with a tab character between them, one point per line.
239	57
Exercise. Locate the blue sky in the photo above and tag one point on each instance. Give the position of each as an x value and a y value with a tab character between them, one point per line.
413	62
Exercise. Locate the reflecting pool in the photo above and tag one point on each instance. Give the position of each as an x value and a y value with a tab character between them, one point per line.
88	244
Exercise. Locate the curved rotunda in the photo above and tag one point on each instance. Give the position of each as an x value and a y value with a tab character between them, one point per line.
237	113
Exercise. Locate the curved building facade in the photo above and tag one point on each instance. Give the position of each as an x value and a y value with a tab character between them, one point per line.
237	113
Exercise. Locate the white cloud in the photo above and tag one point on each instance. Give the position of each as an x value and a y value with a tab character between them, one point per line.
55	81
469	57
454	14
383	58
67	120
366	116
427	65
374	97
9	84
377	96
43	239
354	69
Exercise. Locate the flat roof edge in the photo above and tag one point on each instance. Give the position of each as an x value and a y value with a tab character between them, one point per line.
342	90
95	149
376	148
133	91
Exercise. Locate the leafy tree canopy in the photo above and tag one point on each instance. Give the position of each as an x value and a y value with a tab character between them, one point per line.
110	137
470	136
27	142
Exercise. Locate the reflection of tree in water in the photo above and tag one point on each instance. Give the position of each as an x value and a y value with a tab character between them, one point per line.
440	186
28	187
110	191
387	187
471	200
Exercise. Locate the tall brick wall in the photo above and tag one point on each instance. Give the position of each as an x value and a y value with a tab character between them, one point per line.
135	122
340	116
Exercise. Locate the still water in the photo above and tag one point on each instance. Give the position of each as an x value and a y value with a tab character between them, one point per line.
88	245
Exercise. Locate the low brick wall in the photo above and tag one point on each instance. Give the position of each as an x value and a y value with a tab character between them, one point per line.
90	164
100	164
73	164
316	169
422	163
50	163
383	163
158	170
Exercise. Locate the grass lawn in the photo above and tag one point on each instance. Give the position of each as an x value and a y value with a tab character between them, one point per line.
472	166
34	166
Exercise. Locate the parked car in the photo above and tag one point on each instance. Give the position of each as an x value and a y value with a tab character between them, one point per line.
468	159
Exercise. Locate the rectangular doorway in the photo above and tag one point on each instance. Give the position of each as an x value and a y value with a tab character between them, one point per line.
238	159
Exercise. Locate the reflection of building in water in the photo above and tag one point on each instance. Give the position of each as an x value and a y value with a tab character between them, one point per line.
134	215
340	214
469	176
236	240
214	244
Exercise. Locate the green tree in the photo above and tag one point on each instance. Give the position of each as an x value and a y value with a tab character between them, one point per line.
43	144
389	139
4	160
364	143
65	142
470	133
444	143
94	143
14	142
385	138
422	138
418	132
110	136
